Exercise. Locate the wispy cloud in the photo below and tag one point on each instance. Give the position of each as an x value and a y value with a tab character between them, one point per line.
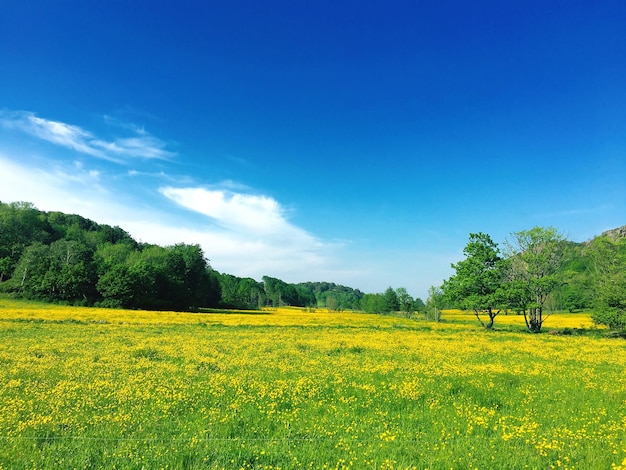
140	145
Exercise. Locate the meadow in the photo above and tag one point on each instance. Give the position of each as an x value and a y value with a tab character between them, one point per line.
286	388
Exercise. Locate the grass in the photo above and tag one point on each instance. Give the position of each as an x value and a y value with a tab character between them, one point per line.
97	388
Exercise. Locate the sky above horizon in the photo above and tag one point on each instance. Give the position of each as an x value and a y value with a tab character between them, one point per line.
351	142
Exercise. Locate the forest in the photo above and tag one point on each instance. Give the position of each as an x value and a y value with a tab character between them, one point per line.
63	258
66	258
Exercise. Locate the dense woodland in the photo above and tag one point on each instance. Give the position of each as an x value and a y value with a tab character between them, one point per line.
58	257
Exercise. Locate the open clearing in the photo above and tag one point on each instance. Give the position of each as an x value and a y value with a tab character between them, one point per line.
95	388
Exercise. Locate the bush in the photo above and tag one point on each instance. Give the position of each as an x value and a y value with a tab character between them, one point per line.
611	317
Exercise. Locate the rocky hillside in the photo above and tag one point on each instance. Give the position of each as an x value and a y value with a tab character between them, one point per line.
616	233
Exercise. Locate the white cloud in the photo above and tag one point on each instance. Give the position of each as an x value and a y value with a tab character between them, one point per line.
141	144
242	234
257	215
68	188
254	233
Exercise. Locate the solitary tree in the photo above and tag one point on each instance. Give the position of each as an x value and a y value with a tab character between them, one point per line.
536	255
477	283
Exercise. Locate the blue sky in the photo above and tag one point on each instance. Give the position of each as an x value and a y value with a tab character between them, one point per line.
352	142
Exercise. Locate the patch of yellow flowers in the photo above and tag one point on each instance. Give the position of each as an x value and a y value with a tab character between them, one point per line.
288	388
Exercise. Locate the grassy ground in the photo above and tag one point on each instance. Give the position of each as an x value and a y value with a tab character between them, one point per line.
92	388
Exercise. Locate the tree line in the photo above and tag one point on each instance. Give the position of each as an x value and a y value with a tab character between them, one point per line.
58	257
537	273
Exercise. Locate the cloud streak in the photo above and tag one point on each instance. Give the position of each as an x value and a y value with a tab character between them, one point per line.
140	145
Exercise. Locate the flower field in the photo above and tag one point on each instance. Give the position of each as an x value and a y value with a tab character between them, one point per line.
94	388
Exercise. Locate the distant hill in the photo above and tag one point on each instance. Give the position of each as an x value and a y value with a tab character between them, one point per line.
616	233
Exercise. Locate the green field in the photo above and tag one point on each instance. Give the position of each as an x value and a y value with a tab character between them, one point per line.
90	388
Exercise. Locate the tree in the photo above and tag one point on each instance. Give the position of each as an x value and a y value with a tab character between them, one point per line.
21	225
391	303
536	256
405	300
71	275
28	277
331	303
609	260
478	280
418	304
434	304
373	303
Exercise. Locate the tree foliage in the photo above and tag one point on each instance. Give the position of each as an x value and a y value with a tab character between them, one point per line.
67	258
609	262
537	256
478	279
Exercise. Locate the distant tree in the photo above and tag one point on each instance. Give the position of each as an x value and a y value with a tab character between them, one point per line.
118	287
6	268
346	297
392	304
536	258
273	290
373	303
434	304
478	280
418	305
331	303
197	284
405	300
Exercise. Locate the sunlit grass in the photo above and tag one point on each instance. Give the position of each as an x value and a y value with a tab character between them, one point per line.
287	388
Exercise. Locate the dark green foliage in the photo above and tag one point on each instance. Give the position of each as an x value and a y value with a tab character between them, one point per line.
67	258
331	295
391	303
609	260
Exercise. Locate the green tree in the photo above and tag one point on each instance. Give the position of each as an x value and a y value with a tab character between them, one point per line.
609	260
118	287
405	300
31	269
391	303
536	258
331	303
71	275
21	225
373	303
476	285
418	305
434	304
